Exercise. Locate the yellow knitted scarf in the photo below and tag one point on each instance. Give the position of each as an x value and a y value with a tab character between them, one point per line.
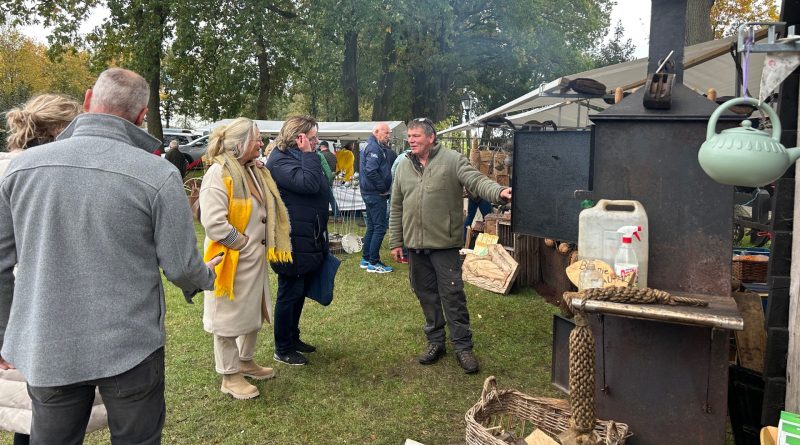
279	244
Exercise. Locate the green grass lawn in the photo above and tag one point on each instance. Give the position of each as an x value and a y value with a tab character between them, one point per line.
364	385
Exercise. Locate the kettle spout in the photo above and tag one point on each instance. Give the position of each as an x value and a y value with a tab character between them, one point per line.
794	154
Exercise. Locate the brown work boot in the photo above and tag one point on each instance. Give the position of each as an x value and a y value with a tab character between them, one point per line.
432	354
466	359
251	369
237	386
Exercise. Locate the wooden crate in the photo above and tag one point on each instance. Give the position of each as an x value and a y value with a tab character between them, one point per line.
486	161
524	249
502	180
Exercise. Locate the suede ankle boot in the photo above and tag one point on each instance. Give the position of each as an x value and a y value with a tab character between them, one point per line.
252	370
237	386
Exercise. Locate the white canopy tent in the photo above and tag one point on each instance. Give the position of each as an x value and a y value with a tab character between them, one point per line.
344	131
706	65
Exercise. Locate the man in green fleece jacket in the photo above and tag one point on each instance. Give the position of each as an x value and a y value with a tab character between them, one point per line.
427	217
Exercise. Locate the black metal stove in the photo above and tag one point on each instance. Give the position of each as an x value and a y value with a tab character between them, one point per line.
668	381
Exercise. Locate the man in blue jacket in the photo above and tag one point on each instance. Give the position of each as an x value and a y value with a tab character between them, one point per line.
375	180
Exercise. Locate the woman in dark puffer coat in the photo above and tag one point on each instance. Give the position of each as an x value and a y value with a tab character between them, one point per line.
297	171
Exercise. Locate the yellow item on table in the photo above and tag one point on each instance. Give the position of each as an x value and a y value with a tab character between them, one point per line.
344	163
482	243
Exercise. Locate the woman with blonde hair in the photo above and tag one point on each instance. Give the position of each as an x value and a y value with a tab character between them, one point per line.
246	222
304	188
37	122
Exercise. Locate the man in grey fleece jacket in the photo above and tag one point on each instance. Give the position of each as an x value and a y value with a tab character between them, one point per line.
89	219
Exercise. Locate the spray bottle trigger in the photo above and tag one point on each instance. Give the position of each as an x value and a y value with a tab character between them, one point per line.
636	234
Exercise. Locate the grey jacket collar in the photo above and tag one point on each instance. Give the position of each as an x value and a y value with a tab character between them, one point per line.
112	127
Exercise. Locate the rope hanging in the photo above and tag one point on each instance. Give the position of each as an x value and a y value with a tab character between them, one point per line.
581	354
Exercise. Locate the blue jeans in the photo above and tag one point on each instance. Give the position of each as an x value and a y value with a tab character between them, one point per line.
377	223
472	207
134	400
334	206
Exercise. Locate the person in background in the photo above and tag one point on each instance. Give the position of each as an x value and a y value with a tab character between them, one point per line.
475	203
177	158
375	180
86	309
426	218
297	170
244	218
400	158
345	160
329	174
36	122
329	156
330	159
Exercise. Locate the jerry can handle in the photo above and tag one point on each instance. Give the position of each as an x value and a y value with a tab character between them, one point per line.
604	203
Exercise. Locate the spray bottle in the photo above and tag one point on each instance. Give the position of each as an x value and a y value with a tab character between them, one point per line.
625	262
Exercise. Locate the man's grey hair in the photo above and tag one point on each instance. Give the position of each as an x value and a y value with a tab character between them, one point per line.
120	92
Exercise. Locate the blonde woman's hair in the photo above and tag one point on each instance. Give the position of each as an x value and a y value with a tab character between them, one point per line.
233	138
39	120
293	127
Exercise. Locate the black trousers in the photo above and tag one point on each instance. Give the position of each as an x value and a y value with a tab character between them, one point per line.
134	401
435	277
288	309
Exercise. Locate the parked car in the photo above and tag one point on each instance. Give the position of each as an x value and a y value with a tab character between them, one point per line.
195	149
183	136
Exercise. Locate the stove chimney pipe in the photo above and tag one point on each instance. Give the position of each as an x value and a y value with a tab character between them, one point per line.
667	33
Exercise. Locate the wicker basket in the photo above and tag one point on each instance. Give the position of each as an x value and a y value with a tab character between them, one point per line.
750	268
520	413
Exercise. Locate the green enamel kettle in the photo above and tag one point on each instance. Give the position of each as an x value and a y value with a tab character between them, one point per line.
744	155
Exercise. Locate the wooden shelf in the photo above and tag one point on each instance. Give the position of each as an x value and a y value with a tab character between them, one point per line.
721	312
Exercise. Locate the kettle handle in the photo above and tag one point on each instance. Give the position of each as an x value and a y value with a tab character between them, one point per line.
773	117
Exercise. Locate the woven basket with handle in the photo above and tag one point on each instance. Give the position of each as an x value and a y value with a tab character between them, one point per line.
511	410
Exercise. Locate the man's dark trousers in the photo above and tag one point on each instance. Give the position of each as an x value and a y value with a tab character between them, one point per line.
377	223
435	277
134	401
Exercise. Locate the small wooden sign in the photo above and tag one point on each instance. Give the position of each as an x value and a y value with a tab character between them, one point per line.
609	278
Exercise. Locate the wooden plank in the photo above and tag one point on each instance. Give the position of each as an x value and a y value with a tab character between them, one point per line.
751	343
793	353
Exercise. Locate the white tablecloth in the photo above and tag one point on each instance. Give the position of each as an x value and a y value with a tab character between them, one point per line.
348	198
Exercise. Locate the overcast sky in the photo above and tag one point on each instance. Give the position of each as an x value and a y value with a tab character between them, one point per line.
635	17
634	14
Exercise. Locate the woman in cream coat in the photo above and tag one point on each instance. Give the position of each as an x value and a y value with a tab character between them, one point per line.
246	221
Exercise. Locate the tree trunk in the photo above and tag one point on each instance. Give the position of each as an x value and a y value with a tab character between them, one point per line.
698	22
151	23
380	107
313	107
350	77
264	77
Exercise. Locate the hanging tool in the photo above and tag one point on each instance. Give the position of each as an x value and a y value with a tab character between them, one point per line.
658	89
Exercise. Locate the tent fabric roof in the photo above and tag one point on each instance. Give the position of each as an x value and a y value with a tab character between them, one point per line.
706	65
327	130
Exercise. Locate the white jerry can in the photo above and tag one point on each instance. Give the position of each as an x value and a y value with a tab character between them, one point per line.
598	237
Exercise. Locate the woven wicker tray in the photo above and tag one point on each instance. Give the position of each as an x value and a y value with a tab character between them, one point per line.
520	413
